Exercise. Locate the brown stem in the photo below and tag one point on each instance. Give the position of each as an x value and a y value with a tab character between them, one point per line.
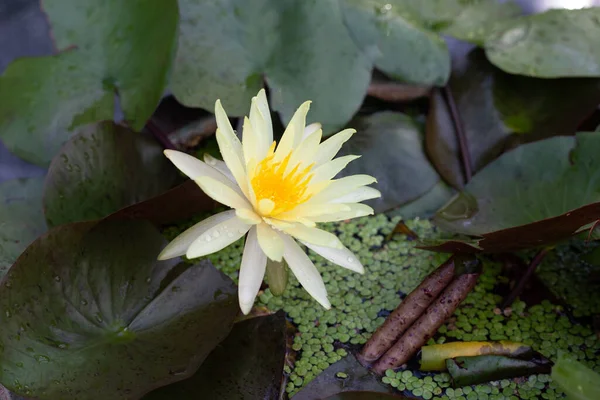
426	326
160	136
518	289
461	136
407	312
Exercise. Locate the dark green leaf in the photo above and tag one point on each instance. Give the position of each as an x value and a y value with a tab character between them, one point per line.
493	104
346	375
467	371
21	218
248	364
537	194
557	43
89	313
593	257
102	169
391	149
426	205
123	49
318	50
578	381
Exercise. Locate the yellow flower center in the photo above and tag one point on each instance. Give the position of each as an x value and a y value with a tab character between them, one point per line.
277	191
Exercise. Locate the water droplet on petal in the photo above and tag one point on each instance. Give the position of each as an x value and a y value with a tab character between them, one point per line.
216	234
241	230
350	259
229	234
207	238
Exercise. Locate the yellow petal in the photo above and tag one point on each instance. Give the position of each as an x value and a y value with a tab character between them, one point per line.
270	242
305	271
293	133
249	141
260	118
356	210
180	244
342	257
361	194
219	166
312	210
248	216
331	168
329	148
314	235
304	153
218	237
252	271
222	193
310	129
265	206
230	147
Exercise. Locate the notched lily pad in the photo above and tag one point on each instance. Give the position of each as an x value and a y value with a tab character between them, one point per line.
537	194
89	313
248	364
21	218
102	169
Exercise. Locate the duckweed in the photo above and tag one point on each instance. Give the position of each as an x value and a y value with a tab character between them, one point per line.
394	268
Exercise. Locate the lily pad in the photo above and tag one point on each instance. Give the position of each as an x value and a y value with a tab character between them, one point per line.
346	375
21	218
102	169
536	194
499	110
89	313
248	364
556	43
122	49
391	148
302	49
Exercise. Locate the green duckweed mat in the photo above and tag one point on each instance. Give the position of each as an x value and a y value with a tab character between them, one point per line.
394	267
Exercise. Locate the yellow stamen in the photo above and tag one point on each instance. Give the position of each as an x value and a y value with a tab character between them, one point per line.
285	191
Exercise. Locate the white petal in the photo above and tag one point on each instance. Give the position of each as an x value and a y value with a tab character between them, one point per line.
361	194
293	133
194	168
342	257
218	237
304	153
356	210
260	118
314	235
310	129
230	147
248	216
219	166
222	193
341	187
252	271
249	141
331	168
329	148
180	244
312	210
305	271
270	242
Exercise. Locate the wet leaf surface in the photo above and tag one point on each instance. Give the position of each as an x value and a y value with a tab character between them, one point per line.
21	218
102	169
537	194
89	313
120	48
346	375
478	369
227	55
557	43
391	149
248	364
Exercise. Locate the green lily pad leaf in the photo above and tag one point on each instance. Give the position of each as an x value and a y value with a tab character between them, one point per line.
495	107
577	380
89	313
346	375
21	218
248	364
358	395
102	169
303	50
556	43
123	49
391	148
426	205
534	195
472	20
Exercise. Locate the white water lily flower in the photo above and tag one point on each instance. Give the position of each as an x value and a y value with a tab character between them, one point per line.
277	193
